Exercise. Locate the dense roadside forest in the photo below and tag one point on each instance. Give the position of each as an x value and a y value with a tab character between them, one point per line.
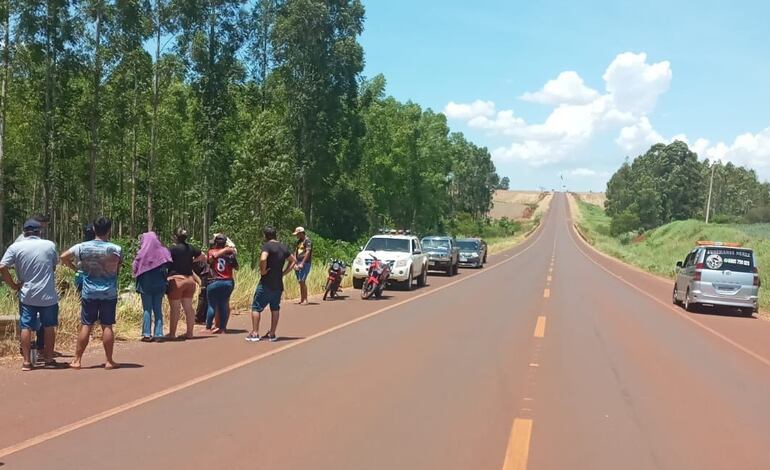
669	183
217	115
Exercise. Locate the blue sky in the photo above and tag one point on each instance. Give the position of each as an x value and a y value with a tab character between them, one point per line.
629	74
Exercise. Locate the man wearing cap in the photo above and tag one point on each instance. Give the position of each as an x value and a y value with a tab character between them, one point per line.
304	254
34	260
44	221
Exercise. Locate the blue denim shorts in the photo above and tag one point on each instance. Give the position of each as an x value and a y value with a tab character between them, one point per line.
101	310
32	317
303	273
265	296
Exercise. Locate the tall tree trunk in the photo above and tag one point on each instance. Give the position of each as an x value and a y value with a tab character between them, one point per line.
49	150
154	126
134	164
3	105
95	116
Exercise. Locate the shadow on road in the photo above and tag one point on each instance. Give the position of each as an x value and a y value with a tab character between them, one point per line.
121	365
724	312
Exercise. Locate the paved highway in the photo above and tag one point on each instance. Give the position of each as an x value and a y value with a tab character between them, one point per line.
552	357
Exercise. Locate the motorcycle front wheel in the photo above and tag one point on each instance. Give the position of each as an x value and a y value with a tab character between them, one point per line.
328	290
367	290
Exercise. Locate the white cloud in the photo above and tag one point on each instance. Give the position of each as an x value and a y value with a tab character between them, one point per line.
579	113
751	150
503	122
636	85
469	111
580	172
639	137
567	88
633	87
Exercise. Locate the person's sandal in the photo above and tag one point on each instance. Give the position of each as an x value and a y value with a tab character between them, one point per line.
51	364
26	367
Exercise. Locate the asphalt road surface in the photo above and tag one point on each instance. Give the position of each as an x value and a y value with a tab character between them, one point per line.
551	357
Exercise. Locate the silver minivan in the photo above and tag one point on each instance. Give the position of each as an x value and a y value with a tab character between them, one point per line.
718	274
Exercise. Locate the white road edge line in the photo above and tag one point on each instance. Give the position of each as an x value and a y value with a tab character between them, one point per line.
717	334
41	438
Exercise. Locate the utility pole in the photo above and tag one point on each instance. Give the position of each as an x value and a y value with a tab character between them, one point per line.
711	189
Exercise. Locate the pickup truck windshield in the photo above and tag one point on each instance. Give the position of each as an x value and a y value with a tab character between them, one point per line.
729	259
433	244
388	244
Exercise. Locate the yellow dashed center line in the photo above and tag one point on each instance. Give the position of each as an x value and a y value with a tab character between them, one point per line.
540	327
546	293
517	454
549	278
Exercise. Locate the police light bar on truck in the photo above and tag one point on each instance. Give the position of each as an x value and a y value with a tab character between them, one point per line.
392	231
724	244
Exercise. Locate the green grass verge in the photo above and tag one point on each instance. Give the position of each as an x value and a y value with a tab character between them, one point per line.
659	250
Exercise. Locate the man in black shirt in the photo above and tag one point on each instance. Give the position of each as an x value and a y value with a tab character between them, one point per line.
273	267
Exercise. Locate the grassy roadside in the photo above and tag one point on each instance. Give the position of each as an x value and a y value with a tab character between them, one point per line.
129	322
657	251
497	245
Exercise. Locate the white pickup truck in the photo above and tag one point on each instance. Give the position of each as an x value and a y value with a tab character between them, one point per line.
403	253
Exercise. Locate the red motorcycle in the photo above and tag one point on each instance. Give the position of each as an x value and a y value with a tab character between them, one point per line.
377	279
337	270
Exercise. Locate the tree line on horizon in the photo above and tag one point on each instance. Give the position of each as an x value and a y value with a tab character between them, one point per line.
217	115
669	183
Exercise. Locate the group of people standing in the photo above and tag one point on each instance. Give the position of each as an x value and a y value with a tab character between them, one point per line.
176	272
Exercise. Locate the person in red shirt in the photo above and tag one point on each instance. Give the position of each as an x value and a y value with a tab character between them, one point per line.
223	262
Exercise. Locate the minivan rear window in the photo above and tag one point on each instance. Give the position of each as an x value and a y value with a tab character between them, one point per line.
729	259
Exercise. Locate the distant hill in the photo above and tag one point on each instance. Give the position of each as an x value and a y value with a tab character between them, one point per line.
518	205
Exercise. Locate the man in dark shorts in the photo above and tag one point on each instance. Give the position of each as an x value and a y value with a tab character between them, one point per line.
304	255
44	221
99	260
273	266
34	260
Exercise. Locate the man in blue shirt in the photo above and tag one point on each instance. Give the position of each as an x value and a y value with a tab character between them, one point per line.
99	260
34	261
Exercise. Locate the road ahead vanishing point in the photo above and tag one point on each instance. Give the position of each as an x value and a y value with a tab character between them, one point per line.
552	357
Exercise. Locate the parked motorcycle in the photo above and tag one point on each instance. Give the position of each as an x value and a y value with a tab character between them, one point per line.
377	279
337	270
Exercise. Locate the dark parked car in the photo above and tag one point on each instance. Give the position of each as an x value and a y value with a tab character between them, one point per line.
443	254
473	252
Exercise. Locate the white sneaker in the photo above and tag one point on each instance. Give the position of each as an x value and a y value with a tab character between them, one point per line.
253	339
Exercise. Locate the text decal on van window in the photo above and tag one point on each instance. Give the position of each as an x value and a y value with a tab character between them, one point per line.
729	260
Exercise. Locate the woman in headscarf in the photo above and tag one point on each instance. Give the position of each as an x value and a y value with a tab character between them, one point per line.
150	267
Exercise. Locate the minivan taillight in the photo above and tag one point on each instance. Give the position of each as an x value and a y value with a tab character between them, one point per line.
698	272
757	281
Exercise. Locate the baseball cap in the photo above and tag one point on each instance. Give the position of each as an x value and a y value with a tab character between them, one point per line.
298	230
32	225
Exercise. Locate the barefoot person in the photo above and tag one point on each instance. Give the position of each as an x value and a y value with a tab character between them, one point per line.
182	285
34	261
222	261
150	271
304	255
100	262
273	266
